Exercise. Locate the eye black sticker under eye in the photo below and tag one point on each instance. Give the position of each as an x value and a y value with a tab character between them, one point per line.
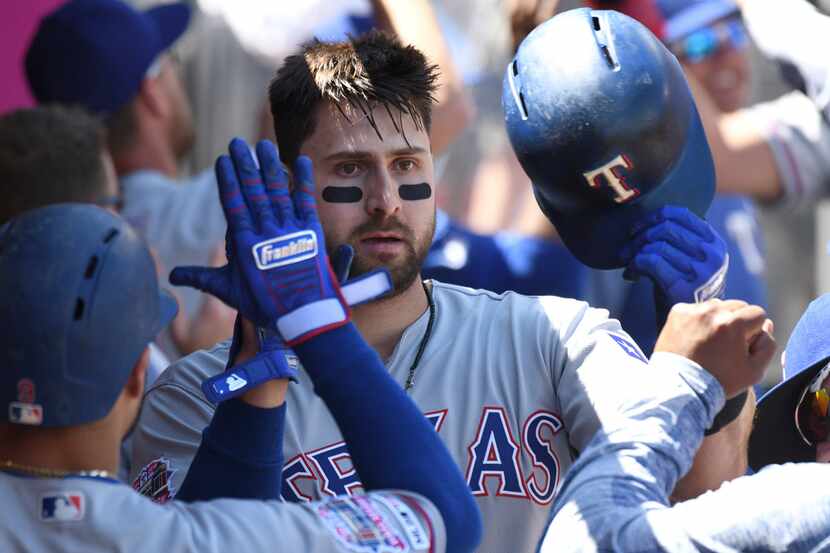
342	194
414	192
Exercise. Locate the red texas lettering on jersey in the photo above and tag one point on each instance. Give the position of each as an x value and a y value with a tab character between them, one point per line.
493	460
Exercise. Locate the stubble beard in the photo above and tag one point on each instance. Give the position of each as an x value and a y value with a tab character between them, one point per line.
403	270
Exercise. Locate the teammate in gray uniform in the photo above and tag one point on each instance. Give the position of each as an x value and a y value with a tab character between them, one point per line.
514	385
80	280
615	496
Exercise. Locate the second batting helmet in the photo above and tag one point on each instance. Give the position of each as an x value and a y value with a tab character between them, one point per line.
81	303
604	124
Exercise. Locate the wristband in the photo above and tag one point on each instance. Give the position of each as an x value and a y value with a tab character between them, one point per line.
731	409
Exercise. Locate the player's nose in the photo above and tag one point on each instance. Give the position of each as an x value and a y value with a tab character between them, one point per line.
383	198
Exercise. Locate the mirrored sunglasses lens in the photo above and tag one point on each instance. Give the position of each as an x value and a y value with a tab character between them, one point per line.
812	416
700	45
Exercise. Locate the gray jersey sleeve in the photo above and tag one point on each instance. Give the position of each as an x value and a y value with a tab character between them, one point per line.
84	514
594	360
169	429
799	138
616	495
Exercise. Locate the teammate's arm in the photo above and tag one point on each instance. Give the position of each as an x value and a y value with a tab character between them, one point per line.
415	23
738	144
615	496
687	261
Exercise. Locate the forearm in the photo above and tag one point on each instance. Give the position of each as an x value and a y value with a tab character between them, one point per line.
736	144
633	463
402	450
721	456
240	455
243	441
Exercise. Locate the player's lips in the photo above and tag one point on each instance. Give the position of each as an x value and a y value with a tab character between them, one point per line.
382	243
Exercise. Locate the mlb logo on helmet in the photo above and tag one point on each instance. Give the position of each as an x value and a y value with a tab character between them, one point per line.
285	250
25	410
25	413
62	507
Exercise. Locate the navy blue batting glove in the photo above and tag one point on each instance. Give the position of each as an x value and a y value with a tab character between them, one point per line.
278	274
276	360
681	253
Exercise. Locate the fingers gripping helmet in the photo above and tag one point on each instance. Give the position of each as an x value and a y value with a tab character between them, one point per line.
604	124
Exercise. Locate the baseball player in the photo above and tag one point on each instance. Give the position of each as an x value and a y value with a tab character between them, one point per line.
79	279
514	385
791	421
615	496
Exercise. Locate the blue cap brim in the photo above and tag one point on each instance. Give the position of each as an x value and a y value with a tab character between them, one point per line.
172	21
696	18
775	439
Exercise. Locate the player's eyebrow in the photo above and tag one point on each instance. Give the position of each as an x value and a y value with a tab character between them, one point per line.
366	155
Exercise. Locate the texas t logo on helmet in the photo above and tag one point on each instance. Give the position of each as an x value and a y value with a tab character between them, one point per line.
609	174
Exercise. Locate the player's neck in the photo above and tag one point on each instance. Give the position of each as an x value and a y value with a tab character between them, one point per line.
73	449
150	151
383	322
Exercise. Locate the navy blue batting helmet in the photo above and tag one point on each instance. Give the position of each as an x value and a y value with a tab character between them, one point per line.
80	303
604	124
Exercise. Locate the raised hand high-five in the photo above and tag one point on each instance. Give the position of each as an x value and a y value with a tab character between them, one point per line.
278	275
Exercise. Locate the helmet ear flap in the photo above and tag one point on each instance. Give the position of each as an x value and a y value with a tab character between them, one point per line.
602	120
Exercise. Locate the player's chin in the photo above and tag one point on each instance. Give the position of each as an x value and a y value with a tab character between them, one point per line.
403	269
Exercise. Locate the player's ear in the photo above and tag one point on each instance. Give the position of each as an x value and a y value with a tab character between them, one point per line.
135	383
151	96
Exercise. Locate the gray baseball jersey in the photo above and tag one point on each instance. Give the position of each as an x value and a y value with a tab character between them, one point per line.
87	514
513	384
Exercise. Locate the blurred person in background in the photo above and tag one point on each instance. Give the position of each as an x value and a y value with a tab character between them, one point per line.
54	154
117	63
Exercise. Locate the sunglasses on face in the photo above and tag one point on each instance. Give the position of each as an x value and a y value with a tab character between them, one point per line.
811	413
696	47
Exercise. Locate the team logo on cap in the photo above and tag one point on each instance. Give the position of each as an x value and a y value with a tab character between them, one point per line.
62	507
285	250
609	175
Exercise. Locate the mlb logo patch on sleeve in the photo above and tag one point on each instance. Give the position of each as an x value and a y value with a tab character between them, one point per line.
62	507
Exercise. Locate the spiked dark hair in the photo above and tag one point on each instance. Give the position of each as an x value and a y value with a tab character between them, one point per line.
370	70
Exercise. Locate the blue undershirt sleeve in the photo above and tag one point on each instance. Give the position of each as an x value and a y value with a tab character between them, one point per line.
240	455
371	409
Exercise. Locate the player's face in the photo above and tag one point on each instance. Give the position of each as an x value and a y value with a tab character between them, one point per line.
724	72
376	194
181	115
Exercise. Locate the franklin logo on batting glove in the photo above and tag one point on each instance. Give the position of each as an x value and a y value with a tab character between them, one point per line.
285	250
